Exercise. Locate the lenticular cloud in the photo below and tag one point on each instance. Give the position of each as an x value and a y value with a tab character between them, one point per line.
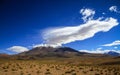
64	35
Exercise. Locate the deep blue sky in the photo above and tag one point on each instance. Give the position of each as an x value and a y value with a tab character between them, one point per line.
22	21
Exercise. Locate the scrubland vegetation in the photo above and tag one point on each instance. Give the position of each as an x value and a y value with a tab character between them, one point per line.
57	67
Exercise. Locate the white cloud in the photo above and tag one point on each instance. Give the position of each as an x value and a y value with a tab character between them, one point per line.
115	43
45	45
99	48
114	9
87	14
18	49
99	51
66	35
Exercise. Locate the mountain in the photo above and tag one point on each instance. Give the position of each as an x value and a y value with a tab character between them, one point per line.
52	52
112	53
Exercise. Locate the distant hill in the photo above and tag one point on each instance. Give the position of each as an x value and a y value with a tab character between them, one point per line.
112	53
4	56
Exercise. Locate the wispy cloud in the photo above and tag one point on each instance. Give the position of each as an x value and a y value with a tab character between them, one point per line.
115	43
44	45
18	49
64	35
87	14
114	9
99	51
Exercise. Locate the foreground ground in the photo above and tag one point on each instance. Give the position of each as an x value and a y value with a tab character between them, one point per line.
55	66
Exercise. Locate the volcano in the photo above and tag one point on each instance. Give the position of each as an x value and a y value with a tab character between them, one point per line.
52	52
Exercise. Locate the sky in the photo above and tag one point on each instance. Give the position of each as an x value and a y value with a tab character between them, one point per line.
85	25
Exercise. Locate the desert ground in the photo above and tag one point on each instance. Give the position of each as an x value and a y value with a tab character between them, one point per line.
61	66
